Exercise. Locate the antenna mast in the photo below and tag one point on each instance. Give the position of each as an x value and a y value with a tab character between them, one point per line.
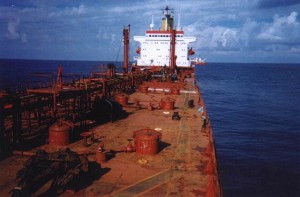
152	23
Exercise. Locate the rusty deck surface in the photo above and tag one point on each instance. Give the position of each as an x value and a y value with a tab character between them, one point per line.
184	166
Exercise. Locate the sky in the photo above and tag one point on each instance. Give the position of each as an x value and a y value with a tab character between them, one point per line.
253	31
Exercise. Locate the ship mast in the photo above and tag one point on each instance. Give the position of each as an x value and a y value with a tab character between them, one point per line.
172	55
167	24
126	31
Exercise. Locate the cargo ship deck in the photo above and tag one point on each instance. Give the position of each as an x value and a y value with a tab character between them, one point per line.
185	162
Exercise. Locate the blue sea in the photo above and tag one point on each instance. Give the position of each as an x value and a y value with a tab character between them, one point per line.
16	73
254	110
255	114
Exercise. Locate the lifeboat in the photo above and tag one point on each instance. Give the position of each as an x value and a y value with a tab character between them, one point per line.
191	51
138	50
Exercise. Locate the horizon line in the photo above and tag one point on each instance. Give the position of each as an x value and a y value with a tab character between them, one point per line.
207	62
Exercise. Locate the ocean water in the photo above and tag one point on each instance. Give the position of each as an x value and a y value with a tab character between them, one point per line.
15	74
254	111
255	114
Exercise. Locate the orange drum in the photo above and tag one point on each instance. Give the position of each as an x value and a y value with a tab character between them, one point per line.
59	134
147	141
167	103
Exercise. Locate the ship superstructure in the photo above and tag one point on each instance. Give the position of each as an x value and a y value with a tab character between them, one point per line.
166	46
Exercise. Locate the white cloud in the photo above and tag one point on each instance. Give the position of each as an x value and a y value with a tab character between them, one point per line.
214	38
283	29
69	11
12	28
281	34
113	37
229	38
24	37
292	18
295	49
106	36
269	37
13	31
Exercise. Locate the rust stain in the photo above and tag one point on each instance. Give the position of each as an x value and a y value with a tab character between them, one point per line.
181	184
200	168
197	192
200	149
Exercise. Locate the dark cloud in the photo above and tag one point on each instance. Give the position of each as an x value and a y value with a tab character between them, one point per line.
276	3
